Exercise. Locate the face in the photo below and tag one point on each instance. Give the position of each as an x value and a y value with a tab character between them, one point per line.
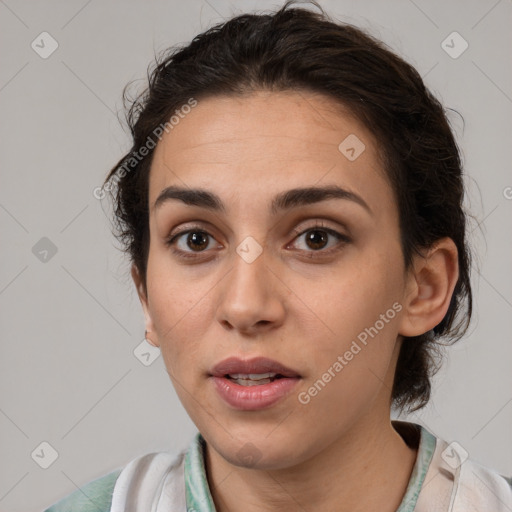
277	312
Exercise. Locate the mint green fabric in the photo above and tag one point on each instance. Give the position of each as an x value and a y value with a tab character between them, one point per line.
197	490
96	496
426	451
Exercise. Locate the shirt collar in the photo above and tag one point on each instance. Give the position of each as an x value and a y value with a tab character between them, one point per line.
426	448
198	496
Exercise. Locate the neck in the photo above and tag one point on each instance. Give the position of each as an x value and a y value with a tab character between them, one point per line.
368	469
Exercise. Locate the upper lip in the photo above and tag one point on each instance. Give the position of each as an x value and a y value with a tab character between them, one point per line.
247	366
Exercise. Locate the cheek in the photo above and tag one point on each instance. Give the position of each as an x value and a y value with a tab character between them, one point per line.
355	295
352	367
179	306
355	327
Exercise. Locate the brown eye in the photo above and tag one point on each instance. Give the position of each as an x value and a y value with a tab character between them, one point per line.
320	239
316	239
197	240
190	243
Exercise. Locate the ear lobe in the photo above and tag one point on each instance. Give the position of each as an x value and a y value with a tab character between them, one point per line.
433	277
142	293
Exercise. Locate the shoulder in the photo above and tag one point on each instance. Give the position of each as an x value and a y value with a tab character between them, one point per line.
482	488
95	496
458	483
142	477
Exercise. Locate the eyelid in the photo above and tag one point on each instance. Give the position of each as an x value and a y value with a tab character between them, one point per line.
171	239
342	238
319	224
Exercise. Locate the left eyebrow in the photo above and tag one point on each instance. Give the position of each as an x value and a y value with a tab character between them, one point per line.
289	199
303	196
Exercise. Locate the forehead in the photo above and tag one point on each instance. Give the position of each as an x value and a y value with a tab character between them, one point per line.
265	141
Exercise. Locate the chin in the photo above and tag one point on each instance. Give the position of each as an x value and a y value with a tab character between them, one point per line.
251	457
259	452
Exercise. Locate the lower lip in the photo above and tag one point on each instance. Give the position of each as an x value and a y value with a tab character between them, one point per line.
253	398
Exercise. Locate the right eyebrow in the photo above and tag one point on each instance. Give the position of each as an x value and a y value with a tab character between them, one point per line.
192	197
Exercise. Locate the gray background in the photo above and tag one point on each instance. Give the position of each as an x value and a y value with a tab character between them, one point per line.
71	320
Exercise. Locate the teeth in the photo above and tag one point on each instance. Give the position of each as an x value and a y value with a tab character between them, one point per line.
252	376
252	379
247	382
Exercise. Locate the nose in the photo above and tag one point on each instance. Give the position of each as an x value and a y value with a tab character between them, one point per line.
251	299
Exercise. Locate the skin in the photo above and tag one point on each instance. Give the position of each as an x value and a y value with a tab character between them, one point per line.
294	303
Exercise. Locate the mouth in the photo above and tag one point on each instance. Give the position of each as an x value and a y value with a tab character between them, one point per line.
257	368
253	379
253	384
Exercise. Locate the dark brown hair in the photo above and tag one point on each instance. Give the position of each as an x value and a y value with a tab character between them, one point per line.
297	49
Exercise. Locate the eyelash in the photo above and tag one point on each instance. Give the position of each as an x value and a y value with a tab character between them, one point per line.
342	240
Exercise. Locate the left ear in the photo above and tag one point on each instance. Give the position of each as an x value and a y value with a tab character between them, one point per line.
430	286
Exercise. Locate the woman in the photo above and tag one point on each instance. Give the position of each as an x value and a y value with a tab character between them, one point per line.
292	206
